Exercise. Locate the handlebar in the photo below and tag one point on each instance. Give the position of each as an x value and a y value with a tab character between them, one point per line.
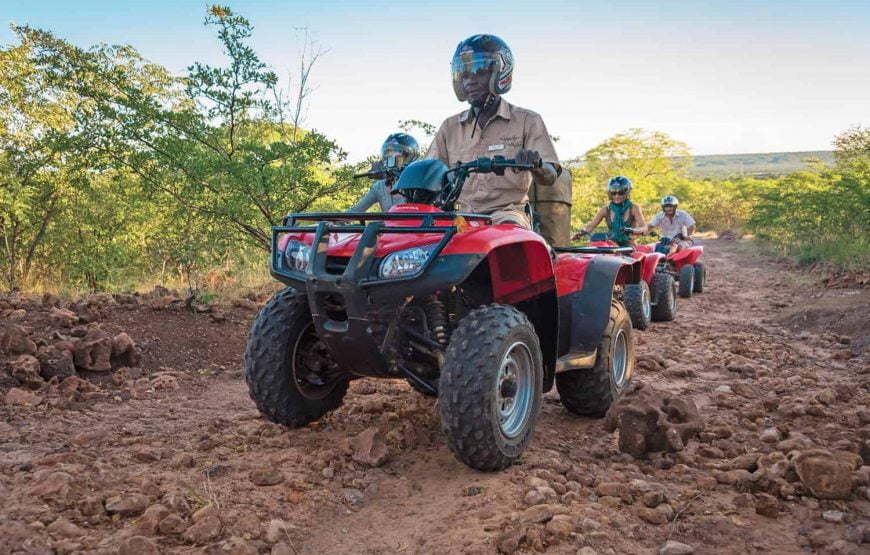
379	174
496	165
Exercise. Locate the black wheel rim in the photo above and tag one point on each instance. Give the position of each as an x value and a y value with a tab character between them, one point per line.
314	371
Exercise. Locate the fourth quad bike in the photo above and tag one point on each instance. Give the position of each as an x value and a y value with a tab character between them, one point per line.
487	317
654	297
681	262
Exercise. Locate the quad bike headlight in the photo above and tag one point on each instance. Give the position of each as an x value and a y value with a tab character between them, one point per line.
297	255
406	263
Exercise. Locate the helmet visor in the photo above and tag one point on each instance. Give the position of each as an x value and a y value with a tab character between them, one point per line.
393	157
470	64
395	154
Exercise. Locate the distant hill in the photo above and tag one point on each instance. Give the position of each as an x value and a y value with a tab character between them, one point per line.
756	165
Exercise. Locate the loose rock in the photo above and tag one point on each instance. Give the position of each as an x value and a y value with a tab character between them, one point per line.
139	545
63	527
14	340
837	517
22	397
823	474
767	505
370	448
676	548
277	530
128	504
266	476
172	525
538	513
207	529
651	421
55	362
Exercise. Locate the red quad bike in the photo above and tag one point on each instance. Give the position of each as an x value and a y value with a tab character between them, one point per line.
655	296
683	263
485	316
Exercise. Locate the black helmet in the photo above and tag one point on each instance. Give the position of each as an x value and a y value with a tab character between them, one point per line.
423	181
670	200
483	53
620	183
399	150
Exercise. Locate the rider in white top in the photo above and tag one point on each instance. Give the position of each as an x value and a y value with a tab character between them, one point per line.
673	221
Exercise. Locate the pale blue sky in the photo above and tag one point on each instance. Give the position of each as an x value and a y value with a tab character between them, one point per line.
725	77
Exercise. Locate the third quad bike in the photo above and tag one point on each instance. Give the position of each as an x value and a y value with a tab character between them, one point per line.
654	297
683	263
485	316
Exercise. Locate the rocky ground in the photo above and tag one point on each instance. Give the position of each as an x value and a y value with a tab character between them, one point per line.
126	427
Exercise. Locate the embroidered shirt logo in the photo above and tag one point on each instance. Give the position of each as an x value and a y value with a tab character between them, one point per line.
514	141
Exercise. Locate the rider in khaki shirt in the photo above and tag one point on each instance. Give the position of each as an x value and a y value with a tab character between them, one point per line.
482	70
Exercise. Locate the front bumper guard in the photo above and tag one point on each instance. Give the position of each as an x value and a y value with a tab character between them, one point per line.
351	341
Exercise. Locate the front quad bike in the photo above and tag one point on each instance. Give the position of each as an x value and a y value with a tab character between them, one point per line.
485	316
650	298
683	263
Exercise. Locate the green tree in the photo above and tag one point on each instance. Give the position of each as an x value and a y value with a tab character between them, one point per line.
652	160
38	163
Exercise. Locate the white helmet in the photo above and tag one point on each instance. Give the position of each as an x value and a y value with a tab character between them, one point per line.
670	200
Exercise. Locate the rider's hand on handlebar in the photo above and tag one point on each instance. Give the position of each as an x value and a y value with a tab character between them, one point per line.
526	156
579	234
377	165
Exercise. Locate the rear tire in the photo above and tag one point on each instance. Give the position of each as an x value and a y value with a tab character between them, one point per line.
687	280
700	277
639	304
491	387
664	290
590	392
290	375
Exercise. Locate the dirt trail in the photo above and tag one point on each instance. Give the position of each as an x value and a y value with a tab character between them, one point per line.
756	330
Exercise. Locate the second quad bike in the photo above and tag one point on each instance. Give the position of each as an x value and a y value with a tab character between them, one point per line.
654	297
682	262
485	316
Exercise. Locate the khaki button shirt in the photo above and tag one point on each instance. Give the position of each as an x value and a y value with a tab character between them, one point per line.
509	130
559	191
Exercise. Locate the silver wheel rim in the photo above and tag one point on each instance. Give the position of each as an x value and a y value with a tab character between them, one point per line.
515	389
620	358
674	298
646	304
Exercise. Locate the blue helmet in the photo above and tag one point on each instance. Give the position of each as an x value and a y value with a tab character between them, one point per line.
619	184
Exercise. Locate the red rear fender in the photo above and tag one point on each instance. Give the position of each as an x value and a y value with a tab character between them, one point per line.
645	248
520	271
571	272
686	256
630	273
648	264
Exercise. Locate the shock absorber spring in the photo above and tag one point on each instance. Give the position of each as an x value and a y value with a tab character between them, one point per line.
436	317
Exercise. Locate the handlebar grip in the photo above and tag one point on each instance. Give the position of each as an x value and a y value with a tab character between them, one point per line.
499	162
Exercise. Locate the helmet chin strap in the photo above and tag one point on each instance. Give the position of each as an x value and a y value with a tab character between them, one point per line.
479	108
